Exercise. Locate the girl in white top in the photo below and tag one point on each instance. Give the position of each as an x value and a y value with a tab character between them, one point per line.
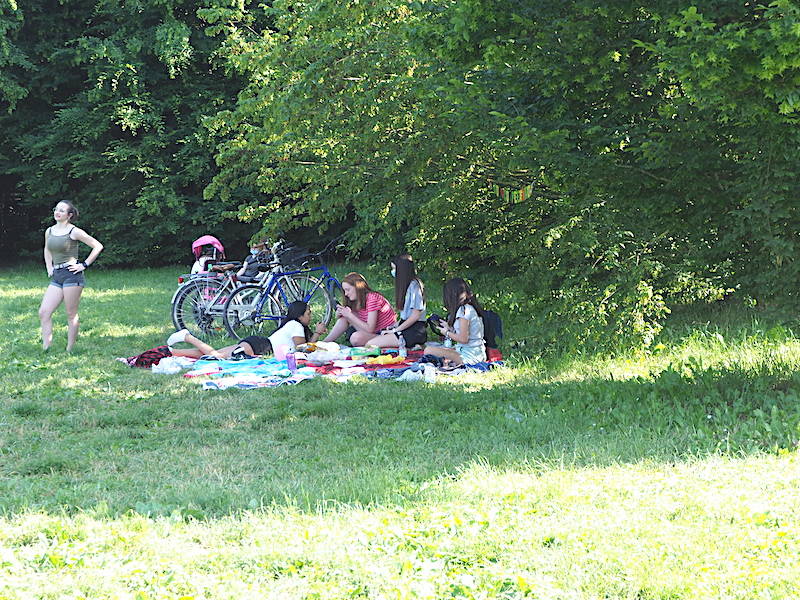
294	328
409	296
464	326
206	255
292	332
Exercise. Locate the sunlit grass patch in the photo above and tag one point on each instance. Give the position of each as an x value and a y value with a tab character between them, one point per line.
475	381
112	329
121	294
688	531
9	292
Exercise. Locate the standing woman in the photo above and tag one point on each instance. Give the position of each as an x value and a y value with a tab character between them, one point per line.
409	297
464	326
65	271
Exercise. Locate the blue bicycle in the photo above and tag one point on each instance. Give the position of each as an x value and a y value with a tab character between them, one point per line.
257	308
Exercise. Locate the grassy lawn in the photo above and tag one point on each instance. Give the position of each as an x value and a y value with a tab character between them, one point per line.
663	475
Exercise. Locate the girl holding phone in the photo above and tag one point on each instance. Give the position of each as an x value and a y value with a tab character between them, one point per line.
364	313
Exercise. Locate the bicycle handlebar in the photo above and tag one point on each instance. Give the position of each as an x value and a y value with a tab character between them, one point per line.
279	245
262	266
328	246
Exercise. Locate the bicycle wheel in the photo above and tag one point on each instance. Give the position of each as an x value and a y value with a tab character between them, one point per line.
247	312
310	289
195	308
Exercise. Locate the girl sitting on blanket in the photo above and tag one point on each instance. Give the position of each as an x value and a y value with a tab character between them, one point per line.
409	296
364	313
293	331
464	326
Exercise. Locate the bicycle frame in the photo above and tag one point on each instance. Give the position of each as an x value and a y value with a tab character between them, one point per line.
216	302
252	305
277	286
325	279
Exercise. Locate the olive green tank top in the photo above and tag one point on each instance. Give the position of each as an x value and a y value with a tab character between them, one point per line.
62	247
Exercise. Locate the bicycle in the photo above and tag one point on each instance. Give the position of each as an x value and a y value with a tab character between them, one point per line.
197	304
257	309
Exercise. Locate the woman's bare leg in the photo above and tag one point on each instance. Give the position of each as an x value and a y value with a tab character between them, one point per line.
445	353
360	338
195	353
226	352
53	296
338	329
199	345
187	353
203	349
386	340
72	298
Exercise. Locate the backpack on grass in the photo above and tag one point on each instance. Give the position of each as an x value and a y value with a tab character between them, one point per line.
492	328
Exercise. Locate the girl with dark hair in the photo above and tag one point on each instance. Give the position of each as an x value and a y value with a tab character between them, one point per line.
292	332
365	312
409	295
464	325
65	271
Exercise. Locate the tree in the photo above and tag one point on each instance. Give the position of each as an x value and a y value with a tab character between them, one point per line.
113	121
401	119
12	59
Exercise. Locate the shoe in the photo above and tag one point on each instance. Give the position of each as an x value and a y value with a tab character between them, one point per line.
239	354
177	337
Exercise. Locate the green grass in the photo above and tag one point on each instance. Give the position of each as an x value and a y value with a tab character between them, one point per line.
666	474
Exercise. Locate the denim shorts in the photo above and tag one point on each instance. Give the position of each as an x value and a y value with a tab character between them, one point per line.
471	354
63	277
260	345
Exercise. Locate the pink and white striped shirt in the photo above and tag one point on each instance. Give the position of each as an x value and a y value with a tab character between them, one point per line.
386	316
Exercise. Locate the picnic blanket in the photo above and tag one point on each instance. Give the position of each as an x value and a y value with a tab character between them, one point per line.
247	374
214	374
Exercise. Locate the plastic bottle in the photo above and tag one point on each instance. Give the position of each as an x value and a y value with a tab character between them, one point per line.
402	352
291	361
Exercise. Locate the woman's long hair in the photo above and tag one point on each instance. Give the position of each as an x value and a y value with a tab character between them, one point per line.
404	274
362	289
457	293
296	310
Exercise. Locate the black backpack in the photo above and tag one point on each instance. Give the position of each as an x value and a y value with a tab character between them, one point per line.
492	328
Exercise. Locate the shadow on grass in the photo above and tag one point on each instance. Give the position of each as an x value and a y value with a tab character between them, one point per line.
157	444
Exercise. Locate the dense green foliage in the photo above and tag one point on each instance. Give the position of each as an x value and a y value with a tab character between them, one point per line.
659	142
659	138
110	116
